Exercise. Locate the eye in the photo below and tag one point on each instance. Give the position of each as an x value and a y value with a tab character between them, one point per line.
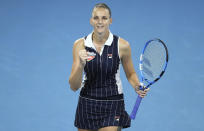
95	17
104	18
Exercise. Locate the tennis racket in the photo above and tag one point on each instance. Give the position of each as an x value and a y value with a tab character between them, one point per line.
153	63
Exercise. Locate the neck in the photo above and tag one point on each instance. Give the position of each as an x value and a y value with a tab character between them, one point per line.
100	38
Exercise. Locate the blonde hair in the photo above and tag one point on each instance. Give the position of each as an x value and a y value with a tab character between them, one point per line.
103	5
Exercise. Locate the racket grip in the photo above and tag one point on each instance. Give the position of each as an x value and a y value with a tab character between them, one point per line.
137	104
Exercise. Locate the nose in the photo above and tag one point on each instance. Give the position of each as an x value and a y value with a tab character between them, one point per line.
100	20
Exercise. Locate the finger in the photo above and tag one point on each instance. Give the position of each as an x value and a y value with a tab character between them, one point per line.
83	52
146	90
143	93
142	96
83	55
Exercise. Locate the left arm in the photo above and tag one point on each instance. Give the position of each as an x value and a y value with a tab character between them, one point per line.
125	55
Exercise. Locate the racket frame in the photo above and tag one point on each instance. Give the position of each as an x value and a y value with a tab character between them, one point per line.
149	83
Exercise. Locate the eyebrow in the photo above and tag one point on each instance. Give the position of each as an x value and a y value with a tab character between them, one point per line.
99	16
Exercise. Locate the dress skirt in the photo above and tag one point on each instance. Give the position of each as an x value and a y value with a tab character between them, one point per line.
94	114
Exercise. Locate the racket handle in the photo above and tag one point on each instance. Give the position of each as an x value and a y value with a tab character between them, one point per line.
137	104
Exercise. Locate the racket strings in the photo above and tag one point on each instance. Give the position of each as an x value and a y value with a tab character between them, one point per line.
153	60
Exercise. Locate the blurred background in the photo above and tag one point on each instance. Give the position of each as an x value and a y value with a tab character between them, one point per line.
36	40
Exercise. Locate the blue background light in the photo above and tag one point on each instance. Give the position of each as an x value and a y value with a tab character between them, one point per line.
36	40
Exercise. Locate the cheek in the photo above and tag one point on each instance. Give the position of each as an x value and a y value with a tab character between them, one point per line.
107	25
92	23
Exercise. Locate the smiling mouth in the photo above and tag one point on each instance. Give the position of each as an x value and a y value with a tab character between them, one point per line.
99	27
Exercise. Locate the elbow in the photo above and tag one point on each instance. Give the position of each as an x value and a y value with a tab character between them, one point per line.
72	86
130	76
73	89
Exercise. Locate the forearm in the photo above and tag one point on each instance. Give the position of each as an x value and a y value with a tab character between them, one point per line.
75	78
134	81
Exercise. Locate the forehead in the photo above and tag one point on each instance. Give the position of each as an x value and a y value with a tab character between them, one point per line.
100	12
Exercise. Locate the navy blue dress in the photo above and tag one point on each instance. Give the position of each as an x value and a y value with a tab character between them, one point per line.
101	102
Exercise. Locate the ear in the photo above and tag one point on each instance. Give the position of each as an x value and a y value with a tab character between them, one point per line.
111	20
91	21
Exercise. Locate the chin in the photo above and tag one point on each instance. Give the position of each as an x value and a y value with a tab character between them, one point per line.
100	32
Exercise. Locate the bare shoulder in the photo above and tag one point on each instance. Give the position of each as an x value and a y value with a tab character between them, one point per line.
124	48
79	44
123	45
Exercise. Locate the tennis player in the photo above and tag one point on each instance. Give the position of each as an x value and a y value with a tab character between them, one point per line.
100	55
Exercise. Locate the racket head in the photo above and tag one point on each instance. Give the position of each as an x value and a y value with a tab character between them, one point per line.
153	61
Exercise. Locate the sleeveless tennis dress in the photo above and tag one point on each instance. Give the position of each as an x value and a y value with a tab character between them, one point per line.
101	102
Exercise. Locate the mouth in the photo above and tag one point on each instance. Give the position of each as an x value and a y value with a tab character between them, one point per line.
100	27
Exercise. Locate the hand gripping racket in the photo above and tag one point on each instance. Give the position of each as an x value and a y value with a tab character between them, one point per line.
153	63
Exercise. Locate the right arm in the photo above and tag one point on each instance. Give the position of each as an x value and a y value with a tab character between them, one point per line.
79	61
